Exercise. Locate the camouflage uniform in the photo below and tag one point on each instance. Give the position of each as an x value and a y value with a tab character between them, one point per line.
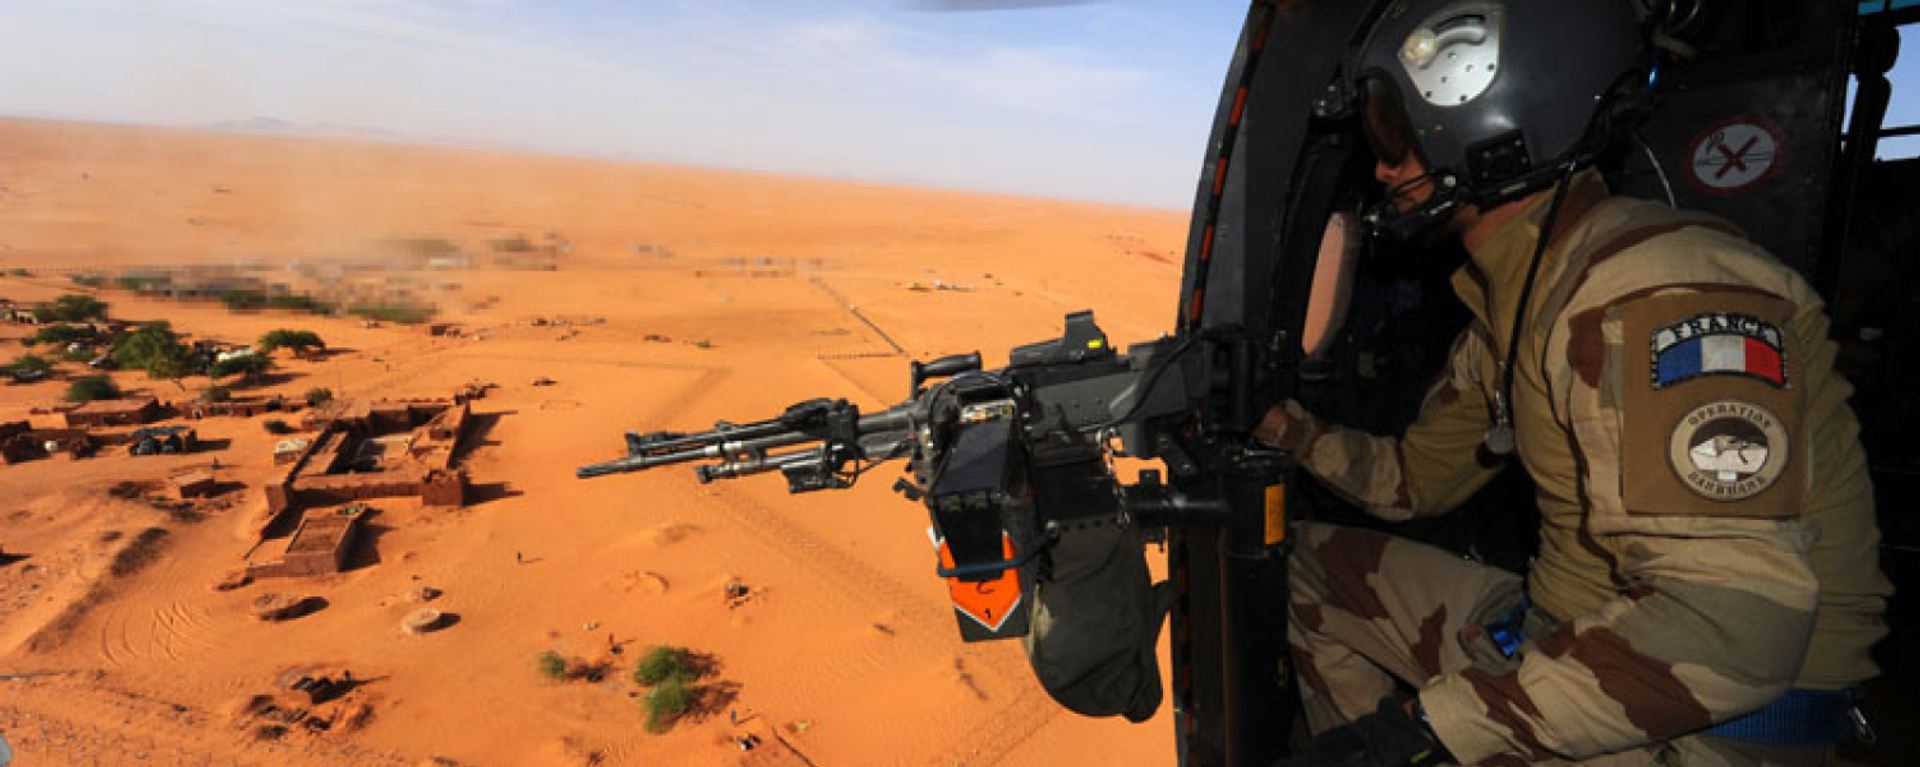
1707	535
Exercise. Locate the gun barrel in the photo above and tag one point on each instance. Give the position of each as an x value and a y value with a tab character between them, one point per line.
629	463
742	450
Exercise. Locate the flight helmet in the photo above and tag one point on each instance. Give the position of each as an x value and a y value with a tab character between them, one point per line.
1498	98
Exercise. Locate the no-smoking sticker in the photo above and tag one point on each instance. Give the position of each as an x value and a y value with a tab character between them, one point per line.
1735	155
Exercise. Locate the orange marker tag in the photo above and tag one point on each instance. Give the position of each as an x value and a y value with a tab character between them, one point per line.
988	603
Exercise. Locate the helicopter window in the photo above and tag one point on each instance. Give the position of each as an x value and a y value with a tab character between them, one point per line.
1900	128
1332	283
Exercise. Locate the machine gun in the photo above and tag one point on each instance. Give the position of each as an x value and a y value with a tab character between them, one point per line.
1000	458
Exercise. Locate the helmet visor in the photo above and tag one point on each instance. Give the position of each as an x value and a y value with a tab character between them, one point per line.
1385	122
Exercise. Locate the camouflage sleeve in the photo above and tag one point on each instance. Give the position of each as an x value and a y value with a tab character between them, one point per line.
1684	408
1431	468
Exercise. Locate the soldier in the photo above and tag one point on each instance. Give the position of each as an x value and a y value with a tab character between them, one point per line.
1706	590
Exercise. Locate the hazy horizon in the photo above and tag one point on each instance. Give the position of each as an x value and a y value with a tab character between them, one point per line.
1103	102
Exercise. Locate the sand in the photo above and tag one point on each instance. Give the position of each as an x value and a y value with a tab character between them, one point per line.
649	297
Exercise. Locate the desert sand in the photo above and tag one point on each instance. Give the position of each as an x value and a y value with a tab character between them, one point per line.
650	297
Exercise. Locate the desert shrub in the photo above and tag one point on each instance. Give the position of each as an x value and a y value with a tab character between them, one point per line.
665	703
88	280
92	388
300	341
137	284
661	664
242	300
79	354
299	302
389	311
19	272
28	363
319	394
277	426
250	300
217	394
248	366
551	665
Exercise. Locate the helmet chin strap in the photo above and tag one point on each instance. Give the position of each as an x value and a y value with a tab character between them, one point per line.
1404	226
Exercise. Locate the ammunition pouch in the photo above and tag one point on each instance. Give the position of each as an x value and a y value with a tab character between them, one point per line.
1096	618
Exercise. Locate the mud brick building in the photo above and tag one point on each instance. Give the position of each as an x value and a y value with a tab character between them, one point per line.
381	449
319	546
193	484
115	412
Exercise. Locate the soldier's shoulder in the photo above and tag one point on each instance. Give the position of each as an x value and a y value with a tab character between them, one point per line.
1635	248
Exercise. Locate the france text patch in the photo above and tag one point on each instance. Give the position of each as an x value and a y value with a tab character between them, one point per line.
1718	343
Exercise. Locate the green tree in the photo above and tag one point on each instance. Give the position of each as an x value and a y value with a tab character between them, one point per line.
217	394
64	334
72	307
302	342
319	394
156	349
152	340
29	364
551	665
92	388
172	364
661	664
247	366
665	703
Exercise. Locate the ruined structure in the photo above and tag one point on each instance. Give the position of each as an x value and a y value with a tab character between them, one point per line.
14	448
238	407
382	449
116	412
319	546
193	484
20	442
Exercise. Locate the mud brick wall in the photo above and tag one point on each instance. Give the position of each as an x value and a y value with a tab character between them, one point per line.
279	486
114	414
445	488
346	488
329	449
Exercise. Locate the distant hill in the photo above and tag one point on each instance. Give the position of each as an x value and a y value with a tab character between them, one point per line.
273	126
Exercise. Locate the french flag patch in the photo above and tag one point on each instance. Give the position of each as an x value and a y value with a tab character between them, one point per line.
1720	343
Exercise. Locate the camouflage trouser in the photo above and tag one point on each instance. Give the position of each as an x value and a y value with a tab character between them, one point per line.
1368	609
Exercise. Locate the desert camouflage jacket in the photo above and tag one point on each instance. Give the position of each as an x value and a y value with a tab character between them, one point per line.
1707	529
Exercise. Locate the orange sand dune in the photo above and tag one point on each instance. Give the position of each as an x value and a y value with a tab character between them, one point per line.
755	291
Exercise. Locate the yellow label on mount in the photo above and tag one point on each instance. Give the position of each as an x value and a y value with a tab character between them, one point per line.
1276	514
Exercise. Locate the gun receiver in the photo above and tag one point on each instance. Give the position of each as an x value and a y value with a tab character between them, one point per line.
998	456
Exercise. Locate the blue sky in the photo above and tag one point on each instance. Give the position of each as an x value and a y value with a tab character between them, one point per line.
1107	101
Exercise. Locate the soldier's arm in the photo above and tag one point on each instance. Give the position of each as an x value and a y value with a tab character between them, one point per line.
1431	468
1688	442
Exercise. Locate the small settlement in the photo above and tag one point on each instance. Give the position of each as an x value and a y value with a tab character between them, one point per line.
361	450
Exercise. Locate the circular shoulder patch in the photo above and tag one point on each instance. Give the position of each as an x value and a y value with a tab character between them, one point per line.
1728	450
